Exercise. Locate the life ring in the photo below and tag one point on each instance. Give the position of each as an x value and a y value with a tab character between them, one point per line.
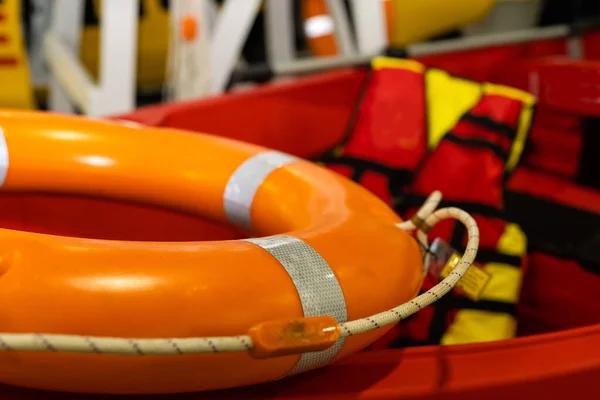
63	300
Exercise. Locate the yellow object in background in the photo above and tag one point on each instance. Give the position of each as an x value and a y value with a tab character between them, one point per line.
408	21
153	41
15	83
411	21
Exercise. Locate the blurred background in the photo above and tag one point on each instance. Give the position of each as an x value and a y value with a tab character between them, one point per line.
259	34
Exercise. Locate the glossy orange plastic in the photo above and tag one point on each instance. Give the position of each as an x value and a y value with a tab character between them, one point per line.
294	336
70	285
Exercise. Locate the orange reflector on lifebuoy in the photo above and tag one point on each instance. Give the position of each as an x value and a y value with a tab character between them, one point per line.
277	338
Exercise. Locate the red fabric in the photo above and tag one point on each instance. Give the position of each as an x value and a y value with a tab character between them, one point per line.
571	86
557	120
591	43
465	129
498	108
554	151
462	173
378	184
566	168
482	170
341	169
555	144
391	120
555	189
557	294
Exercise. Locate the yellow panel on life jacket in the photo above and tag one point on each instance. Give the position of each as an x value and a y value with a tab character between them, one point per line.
400	63
475	326
153	41
505	285
448	98
15	83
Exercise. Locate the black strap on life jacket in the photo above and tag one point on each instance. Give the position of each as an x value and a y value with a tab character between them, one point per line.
557	229
360	165
589	165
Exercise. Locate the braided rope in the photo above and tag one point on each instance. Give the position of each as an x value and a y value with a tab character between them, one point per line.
42	342
403	311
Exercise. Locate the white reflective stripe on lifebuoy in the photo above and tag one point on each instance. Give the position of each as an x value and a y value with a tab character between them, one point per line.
319	26
3	157
317	286
245	181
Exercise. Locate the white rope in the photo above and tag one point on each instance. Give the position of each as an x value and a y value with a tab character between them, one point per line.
426	209
432	295
175	346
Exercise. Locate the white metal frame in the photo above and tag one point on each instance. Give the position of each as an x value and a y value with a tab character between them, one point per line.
201	67
370	25
231	30
63	41
71	86
279	31
341	27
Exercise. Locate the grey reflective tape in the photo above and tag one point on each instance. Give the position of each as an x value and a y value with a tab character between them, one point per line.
317	286
3	157
245	181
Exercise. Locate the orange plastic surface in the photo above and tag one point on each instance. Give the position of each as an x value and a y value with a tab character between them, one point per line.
96	287
293	336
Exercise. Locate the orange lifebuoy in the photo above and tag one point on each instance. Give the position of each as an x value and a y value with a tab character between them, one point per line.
318	235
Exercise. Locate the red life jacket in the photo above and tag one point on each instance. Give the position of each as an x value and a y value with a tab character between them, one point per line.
417	130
